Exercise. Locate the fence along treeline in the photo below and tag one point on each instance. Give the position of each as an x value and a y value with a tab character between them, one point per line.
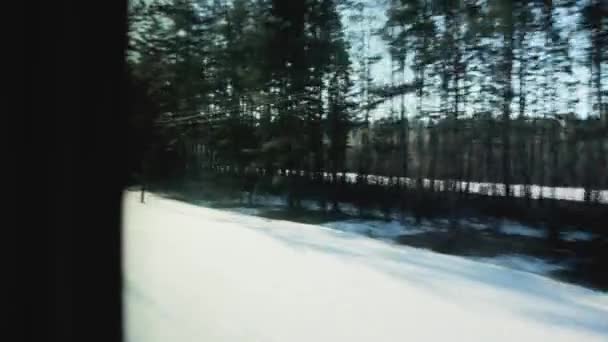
270	84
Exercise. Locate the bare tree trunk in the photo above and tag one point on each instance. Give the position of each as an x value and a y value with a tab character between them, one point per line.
489	153
421	131
532	160
432	172
506	109
524	132
541	158
404	136
469	167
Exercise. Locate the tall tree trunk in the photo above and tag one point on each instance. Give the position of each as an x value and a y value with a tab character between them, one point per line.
469	166
532	149
422	132
432	169
506	109
404	136
489	175
597	60
524	131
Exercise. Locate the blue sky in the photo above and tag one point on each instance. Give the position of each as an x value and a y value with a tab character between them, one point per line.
381	74
381	70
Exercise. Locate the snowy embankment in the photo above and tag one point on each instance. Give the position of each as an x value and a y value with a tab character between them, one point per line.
396	226
199	274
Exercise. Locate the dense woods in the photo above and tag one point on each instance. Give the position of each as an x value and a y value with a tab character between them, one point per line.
506	92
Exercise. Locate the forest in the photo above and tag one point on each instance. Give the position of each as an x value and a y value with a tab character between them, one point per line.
396	105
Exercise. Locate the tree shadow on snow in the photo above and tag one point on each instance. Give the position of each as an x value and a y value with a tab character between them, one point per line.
438	273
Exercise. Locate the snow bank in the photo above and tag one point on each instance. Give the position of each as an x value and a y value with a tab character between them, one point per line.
577	236
474	225
199	274
270	200
513	228
380	229
523	263
387	230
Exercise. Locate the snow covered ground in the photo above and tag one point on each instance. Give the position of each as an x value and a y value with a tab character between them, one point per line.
200	274
577	236
398	226
514	228
522	263
383	230
392	229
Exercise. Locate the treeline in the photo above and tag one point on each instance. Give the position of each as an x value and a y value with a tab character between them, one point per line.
244	81
497	90
572	158
479	90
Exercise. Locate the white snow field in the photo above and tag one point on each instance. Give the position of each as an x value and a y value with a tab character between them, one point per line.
200	274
